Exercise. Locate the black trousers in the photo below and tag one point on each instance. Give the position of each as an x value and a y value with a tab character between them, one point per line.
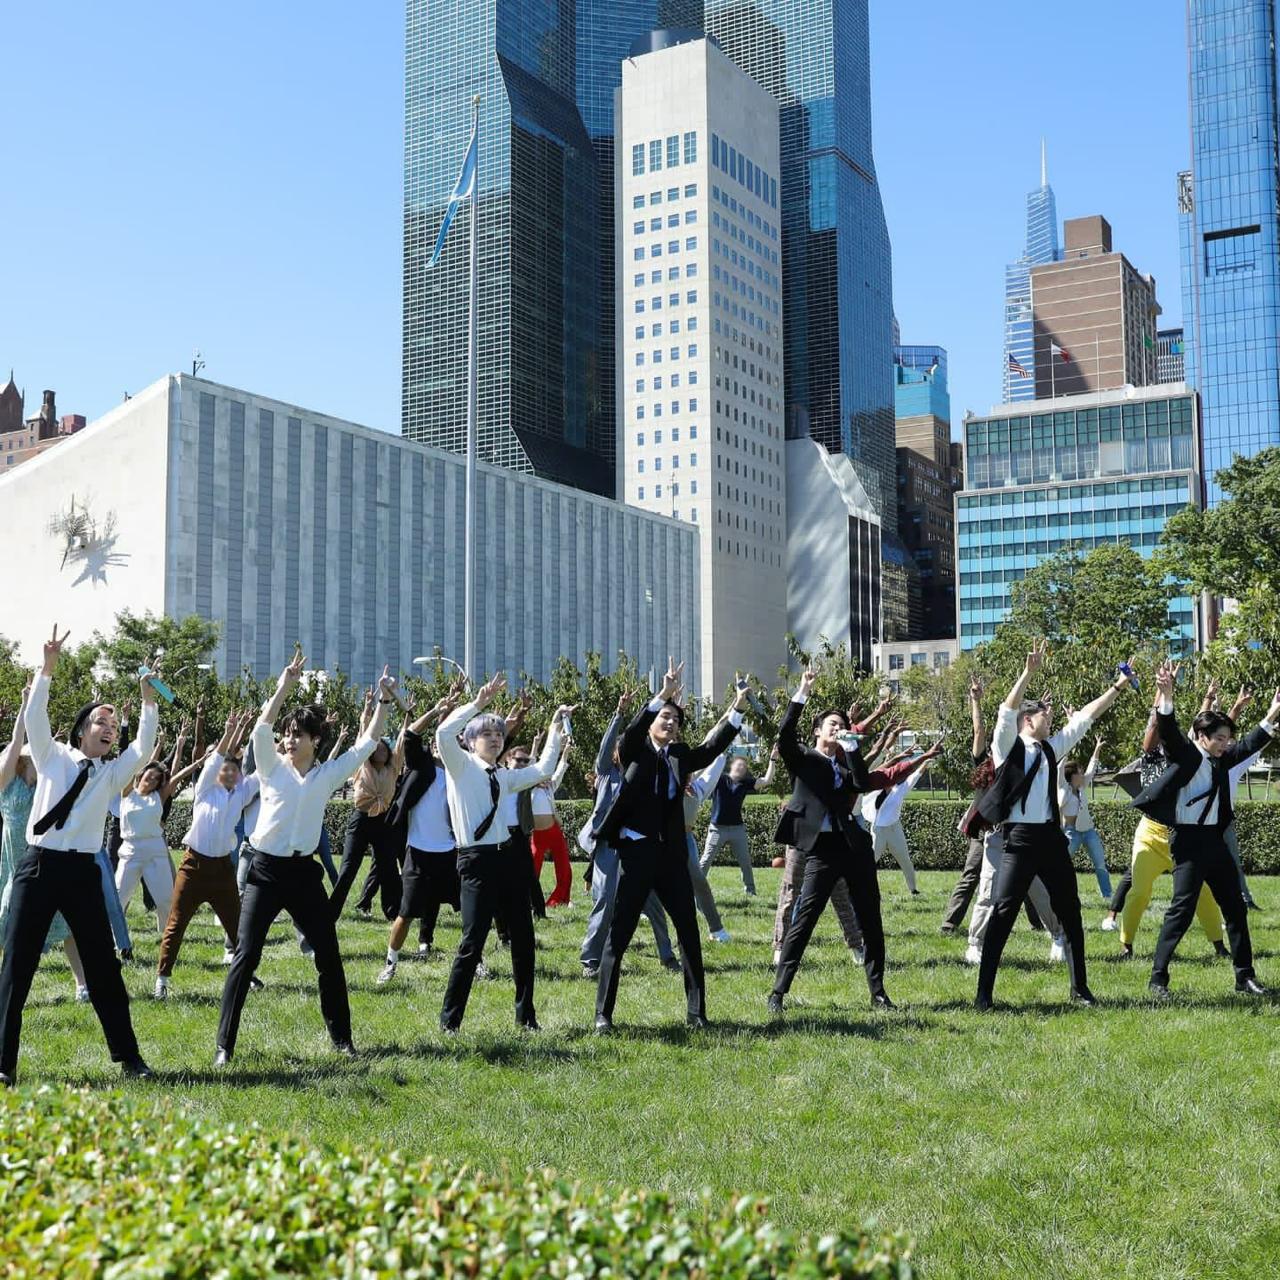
1122	891
966	886
44	883
295	885
645	867
492	882
1030	850
1200	857
834	858
364	833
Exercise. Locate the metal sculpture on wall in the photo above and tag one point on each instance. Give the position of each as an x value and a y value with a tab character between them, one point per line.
86	541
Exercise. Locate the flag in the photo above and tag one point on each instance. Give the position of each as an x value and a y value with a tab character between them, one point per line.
933	368
1060	351
463	188
1146	342
1015	368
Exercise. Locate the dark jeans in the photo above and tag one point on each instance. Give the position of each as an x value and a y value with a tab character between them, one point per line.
295	885
834	858
44	883
492	882
966	886
645	867
1200	857
1031	850
364	833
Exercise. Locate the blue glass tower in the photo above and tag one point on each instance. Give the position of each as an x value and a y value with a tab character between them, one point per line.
540	341
1229	205
814	57
1042	245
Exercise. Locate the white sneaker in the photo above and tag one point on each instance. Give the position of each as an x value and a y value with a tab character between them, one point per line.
387	974
777	958
228	955
1058	951
973	955
162	989
720	935
423	949
859	955
1108	924
82	995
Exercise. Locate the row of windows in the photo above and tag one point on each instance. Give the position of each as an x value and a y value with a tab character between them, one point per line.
657	409
736	259
675	463
673	300
670	149
1080	497
737	165
673	193
655	330
655	224
940	659
734	232
656	358
673	433
673	381
675	493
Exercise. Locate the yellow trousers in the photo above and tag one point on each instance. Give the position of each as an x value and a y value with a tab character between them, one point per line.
1150	861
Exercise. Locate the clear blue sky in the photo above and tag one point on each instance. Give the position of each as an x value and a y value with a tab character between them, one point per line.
229	178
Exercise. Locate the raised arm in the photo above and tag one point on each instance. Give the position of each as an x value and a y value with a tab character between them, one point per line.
454	756
788	736
197	740
873	719
178	780
604	756
532	774
717	742
975	713
1091	769
1094	710
288	678
765	782
9	756
36	716
126	765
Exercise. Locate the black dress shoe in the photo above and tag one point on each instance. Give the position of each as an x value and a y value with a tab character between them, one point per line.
1251	987
345	1048
1159	992
591	972
222	1058
531	1025
6	1080
672	965
1126	951
1251	905
946	928
697	1021
775	1004
983	1002
1220	949
881	1000
256	983
136	1069
604	1026
450	1028
1083	997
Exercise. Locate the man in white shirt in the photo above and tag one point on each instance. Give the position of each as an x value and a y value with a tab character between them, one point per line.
74	786
1023	801
490	881
283	873
1193	798
882	816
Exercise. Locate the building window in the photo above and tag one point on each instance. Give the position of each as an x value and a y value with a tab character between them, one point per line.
655	155
639	306
673	219
690	191
693	488
637	160
641	493
693	458
637	202
691	242
638	280
895	662
673	151
691	297
690	215
639	331
655	197
640	465
640	440
919	659
657	491
639	413
639	384
691	269
691	148
638	253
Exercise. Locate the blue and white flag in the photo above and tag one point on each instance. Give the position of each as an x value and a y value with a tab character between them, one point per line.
463	188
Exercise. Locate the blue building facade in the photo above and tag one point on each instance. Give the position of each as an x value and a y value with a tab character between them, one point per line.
1042	245
1084	470
920	382
1229	209
814	57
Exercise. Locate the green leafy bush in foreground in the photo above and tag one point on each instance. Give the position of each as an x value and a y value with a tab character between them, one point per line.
102	1186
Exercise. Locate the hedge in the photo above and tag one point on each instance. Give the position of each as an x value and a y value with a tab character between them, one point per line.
931	832
105	1186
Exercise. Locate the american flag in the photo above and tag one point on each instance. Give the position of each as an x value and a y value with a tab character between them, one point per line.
1016	368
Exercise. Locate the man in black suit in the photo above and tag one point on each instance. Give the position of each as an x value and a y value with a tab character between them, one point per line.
1192	797
646	826
818	820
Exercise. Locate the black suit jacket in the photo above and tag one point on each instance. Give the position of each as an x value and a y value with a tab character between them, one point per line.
414	782
814	794
1159	800
642	803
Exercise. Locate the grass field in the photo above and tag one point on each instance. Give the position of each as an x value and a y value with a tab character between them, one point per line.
1042	1140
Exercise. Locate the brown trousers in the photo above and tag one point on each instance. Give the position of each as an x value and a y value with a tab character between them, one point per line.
199	880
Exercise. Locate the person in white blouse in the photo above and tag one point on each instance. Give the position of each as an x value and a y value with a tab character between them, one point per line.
882	815
469	742
548	839
1077	821
74	784
284	875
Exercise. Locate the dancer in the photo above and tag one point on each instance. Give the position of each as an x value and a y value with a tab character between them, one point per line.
493	873
882	815
818	820
205	874
726	826
1023	802
547	837
1077	821
602	868
1193	798
58	873
971	875
646	825
696	790
283	875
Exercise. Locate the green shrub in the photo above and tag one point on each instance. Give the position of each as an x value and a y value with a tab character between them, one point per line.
94	1186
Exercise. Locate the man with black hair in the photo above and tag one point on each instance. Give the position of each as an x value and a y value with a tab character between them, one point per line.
1192	797
283	873
646	826
1023	802
59	872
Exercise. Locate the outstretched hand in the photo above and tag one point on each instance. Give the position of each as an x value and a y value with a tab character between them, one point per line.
293	672
1035	659
490	690
1166	676
53	649
671	680
808	678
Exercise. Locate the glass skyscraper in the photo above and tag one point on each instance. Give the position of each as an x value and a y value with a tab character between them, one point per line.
540	407
1019	372
1229	206
814	57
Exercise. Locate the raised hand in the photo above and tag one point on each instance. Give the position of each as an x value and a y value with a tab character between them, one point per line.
1165	677
489	691
741	702
1035	659
293	672
386	684
1211	693
671	680
1273	712
563	713
808	678
625	699
1245	696
975	689
854	713
53	649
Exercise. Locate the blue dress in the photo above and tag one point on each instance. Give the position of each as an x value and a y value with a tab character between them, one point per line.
15	810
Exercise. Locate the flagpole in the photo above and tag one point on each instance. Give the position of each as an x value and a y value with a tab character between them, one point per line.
469	546
1053	373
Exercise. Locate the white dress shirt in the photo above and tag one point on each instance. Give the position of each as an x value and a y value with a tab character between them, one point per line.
216	810
1035	806
468	788
429	828
291	812
142	817
543	799
891	811
57	765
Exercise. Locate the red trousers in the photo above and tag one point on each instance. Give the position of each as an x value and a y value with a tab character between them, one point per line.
551	841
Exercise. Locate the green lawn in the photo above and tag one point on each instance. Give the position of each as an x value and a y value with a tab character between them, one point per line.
1039	1141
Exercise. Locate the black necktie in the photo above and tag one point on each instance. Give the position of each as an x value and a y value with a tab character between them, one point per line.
58	815
1219	787
494	792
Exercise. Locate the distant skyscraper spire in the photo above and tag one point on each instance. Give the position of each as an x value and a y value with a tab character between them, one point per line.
1041	246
